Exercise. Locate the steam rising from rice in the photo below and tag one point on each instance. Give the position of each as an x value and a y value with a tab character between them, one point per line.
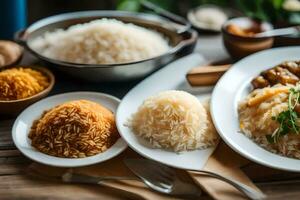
174	120
103	41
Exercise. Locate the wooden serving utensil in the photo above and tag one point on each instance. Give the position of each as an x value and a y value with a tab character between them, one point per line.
206	75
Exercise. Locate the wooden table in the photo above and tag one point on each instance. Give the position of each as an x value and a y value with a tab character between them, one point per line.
15	184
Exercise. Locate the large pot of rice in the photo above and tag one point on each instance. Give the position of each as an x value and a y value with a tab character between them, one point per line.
107	45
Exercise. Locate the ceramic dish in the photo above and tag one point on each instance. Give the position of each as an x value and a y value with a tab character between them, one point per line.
239	46
231	89
14	107
24	121
203	27
160	81
11	52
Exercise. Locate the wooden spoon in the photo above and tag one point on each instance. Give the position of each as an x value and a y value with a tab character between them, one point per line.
206	75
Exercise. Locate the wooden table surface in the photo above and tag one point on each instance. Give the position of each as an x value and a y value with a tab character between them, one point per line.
16	184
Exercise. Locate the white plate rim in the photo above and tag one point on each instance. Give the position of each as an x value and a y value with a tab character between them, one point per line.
293	164
192	58
120	143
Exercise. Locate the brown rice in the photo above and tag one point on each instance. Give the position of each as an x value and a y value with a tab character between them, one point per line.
74	129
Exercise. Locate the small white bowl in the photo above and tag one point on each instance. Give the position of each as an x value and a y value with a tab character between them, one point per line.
24	122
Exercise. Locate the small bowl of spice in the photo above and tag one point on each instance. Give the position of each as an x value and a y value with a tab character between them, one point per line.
239	36
21	86
10	53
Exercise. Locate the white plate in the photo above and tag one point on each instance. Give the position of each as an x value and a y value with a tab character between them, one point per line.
169	78
231	89
24	121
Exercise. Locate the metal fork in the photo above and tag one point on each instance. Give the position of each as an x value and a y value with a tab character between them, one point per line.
186	190
156	174
164	179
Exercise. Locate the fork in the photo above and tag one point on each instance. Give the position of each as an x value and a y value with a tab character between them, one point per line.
164	179
187	189
154	173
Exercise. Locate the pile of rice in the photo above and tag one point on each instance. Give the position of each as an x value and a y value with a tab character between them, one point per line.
103	41
174	120
75	129
20	83
255	115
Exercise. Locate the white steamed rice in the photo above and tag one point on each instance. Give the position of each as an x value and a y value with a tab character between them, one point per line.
174	120
103	41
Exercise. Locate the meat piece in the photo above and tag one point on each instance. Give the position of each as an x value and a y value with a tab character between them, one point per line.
293	67
280	75
287	77
285	73
271	75
260	82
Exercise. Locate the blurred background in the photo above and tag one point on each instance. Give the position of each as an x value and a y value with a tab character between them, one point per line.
17	14
279	12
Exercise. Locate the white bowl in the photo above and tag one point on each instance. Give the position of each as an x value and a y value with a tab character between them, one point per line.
24	122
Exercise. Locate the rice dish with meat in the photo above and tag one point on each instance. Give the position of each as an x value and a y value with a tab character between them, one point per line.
265	116
174	120
103	41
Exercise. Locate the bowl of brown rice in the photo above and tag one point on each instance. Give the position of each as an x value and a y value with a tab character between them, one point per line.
21	86
69	130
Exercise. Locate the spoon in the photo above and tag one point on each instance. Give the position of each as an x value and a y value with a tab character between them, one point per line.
164	13
279	32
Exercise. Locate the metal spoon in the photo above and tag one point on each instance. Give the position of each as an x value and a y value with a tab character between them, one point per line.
164	13
279	32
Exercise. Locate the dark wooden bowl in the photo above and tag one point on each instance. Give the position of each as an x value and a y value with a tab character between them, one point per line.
14	107
239	46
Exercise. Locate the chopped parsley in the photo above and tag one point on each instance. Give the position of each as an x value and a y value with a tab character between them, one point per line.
287	119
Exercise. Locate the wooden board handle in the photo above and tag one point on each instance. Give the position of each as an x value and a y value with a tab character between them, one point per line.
206	75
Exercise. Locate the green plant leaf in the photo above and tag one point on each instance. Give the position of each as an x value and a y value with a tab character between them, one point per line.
129	5
270	139
277	4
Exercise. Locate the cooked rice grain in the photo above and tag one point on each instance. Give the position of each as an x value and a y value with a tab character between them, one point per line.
74	129
20	83
102	41
174	120
256	119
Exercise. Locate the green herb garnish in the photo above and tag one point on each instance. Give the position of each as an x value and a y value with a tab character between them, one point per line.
287	119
